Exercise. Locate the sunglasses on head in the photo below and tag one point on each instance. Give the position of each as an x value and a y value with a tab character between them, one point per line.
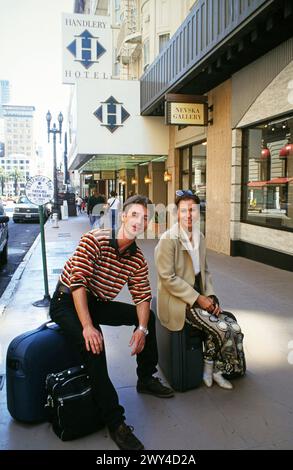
182	192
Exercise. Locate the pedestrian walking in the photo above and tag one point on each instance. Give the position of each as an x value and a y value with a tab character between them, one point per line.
78	203
83	205
114	208
95	208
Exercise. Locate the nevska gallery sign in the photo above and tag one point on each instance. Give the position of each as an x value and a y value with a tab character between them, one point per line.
188	110
86	47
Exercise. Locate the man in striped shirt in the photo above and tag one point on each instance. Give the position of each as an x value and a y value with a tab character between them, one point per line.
83	300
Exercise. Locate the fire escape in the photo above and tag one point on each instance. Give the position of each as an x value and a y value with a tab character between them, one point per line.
129	38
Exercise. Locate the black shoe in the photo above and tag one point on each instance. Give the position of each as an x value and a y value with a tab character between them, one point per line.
125	439
154	387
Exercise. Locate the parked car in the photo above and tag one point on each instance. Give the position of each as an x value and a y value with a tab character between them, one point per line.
24	211
3	235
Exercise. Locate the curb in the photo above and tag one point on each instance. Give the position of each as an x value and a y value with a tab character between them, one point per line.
12	286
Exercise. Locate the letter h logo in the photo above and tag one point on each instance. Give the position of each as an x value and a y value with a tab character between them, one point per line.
112	114
86	49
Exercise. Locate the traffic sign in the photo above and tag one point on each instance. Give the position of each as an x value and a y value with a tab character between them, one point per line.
39	190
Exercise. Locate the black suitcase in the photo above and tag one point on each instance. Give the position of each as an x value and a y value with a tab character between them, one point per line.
180	356
70	406
31	356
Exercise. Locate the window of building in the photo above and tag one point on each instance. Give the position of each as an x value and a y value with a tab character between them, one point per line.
146	54
193	174
267	189
116	69
163	40
117	10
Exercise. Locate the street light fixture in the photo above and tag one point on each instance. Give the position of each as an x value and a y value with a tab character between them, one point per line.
54	131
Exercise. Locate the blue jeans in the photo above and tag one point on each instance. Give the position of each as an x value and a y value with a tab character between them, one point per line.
114	219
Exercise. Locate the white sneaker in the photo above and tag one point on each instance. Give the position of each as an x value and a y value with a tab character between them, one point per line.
221	381
208	373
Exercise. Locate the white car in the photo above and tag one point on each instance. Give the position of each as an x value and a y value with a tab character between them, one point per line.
24	211
3	235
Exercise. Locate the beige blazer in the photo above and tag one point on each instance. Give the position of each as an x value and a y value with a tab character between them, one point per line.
176	278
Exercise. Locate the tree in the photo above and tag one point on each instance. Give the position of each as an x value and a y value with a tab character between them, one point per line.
2	180
16	175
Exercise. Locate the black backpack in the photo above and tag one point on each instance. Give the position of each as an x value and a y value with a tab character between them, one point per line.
70	405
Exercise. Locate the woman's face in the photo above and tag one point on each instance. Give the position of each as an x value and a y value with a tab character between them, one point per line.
188	214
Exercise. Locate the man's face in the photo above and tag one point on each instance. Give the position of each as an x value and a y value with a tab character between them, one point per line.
135	220
188	214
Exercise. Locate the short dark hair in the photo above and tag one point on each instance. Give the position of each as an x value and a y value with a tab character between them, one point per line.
113	193
137	199
186	197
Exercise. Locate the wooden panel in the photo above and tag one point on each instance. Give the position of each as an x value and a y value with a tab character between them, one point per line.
219	145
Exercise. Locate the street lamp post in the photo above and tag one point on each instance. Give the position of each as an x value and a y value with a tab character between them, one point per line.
54	131
66	174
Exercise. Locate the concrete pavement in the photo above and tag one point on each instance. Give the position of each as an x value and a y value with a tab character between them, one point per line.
257	414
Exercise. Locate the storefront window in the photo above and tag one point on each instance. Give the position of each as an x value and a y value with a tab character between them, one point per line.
193	174
185	157
267	195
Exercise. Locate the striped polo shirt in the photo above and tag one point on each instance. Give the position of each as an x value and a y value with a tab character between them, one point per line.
98	266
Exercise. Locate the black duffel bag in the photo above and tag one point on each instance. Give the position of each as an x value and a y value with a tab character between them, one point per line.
70	406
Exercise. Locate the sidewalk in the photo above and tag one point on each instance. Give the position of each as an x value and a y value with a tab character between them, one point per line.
257	414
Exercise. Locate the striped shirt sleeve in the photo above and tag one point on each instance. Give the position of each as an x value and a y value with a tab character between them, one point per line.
83	260
139	286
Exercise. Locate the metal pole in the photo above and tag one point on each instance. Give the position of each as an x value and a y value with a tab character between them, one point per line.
45	302
66	175
55	209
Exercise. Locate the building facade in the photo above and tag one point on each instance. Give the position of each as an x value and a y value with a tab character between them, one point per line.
134	25
4	99
4	94
18	161
237	55
145	27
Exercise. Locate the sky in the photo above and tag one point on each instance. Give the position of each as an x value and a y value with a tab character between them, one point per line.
31	58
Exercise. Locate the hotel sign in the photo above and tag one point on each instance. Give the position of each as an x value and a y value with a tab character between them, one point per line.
186	110
86	47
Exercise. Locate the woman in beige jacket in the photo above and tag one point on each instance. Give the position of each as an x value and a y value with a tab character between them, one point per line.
186	294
